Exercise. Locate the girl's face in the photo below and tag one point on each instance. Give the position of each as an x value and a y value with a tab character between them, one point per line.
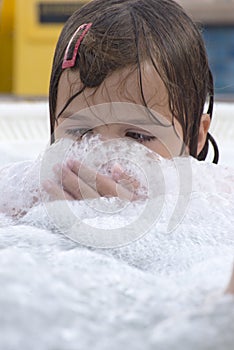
115	110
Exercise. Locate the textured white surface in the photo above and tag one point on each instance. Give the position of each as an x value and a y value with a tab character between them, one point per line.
164	291
24	130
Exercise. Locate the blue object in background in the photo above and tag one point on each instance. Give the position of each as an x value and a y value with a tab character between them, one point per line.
220	47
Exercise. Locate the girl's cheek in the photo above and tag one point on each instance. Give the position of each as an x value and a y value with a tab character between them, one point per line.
165	151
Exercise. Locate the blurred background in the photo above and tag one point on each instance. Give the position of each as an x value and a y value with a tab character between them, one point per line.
29	30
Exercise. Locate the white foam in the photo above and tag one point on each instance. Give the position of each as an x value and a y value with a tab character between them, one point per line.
163	290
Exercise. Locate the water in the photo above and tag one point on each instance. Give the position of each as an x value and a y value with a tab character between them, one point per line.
162	291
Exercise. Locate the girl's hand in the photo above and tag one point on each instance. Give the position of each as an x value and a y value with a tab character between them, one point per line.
80	182
230	288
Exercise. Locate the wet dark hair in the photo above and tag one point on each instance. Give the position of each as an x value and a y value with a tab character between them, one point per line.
128	32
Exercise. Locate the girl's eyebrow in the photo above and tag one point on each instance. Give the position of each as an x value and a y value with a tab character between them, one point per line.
78	116
119	121
74	116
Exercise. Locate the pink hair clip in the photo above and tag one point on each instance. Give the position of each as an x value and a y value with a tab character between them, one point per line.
70	63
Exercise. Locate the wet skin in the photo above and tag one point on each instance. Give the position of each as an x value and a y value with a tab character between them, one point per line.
83	117
111	91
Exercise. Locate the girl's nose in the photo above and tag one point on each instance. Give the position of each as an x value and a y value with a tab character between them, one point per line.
107	132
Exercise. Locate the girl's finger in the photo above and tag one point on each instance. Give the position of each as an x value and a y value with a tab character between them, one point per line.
102	184
55	191
124	179
75	185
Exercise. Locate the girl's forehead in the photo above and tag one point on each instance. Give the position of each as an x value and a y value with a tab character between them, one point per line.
121	86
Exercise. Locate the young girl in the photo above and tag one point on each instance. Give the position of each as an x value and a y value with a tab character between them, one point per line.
113	54
143	52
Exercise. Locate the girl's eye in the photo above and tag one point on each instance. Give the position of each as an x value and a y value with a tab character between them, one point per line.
140	137
77	132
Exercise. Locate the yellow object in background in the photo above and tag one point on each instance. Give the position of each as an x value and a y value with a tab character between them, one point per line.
29	30
6	45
